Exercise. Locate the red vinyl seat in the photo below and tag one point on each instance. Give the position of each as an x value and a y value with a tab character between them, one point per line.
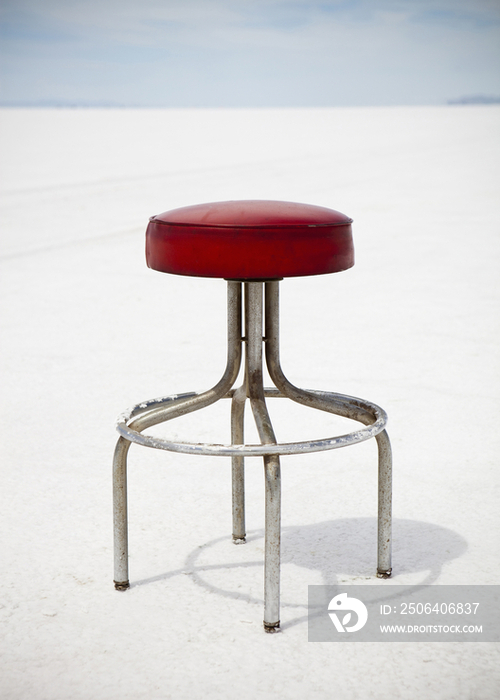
250	240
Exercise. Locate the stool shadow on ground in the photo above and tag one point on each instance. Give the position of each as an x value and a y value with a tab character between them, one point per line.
341	551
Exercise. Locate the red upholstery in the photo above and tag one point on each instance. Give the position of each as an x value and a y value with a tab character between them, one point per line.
250	240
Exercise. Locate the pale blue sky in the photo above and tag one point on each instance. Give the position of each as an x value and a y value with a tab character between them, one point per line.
257	53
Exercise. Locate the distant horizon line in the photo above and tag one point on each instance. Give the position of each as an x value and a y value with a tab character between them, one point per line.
68	104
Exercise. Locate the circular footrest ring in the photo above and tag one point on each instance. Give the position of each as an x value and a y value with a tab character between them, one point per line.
127	419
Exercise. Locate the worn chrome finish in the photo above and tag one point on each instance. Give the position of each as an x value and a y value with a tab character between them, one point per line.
238	464
156	411
341	405
254	375
150	413
145	415
384	538
120	522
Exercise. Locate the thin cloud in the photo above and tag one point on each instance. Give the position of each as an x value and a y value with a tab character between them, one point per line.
244	52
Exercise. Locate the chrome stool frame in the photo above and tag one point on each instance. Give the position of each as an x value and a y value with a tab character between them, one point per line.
145	415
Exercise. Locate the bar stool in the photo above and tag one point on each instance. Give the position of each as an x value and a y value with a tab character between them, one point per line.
253	245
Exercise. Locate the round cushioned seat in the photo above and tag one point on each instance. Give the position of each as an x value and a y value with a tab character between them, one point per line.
250	240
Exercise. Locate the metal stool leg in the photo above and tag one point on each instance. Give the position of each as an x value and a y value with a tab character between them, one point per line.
238	464
384	564
253	325
120	514
336	404
272	544
156	411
